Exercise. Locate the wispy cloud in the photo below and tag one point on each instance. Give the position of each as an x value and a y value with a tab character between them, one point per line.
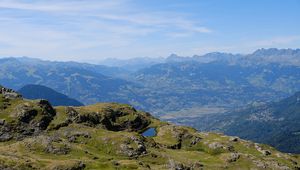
57	27
109	10
159	20
60	6
64	29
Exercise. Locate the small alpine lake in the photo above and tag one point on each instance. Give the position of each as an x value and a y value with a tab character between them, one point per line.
151	132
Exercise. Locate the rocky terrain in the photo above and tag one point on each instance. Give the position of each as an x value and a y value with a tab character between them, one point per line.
34	135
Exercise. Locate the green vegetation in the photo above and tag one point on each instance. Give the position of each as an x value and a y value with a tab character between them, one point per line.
108	136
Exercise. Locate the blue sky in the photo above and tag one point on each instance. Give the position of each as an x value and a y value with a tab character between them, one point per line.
92	30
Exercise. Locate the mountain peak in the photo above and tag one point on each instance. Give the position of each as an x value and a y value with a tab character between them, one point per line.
173	55
276	51
177	58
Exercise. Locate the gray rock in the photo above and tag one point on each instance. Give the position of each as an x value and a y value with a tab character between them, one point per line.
76	166
233	157
234	139
172	165
195	141
266	152
9	93
25	114
141	149
5	137
215	145
73	136
261	150
72	113
197	165
128	150
59	150
2	121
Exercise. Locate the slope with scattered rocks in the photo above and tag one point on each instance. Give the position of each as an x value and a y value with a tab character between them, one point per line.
34	135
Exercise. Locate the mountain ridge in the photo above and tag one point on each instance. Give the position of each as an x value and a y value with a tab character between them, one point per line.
33	91
238	75
276	122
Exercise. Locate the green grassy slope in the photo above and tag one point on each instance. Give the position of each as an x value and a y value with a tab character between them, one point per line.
34	135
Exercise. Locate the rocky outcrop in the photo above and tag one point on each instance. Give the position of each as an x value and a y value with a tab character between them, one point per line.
177	166
113	117
179	137
33	117
233	157
29	118
78	165
261	150
9	93
271	165
128	150
73	136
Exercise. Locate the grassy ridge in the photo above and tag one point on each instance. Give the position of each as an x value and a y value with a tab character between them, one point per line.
108	136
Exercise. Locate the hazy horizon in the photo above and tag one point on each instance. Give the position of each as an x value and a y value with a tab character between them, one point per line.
104	60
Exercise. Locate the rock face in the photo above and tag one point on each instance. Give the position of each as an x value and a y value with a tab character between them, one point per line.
34	135
114	117
9	93
20	118
28	118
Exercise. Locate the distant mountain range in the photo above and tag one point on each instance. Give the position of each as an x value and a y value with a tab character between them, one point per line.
133	64
173	84
42	92
260	56
274	55
276	123
84	82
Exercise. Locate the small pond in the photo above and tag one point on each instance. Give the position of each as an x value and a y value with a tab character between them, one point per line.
149	132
